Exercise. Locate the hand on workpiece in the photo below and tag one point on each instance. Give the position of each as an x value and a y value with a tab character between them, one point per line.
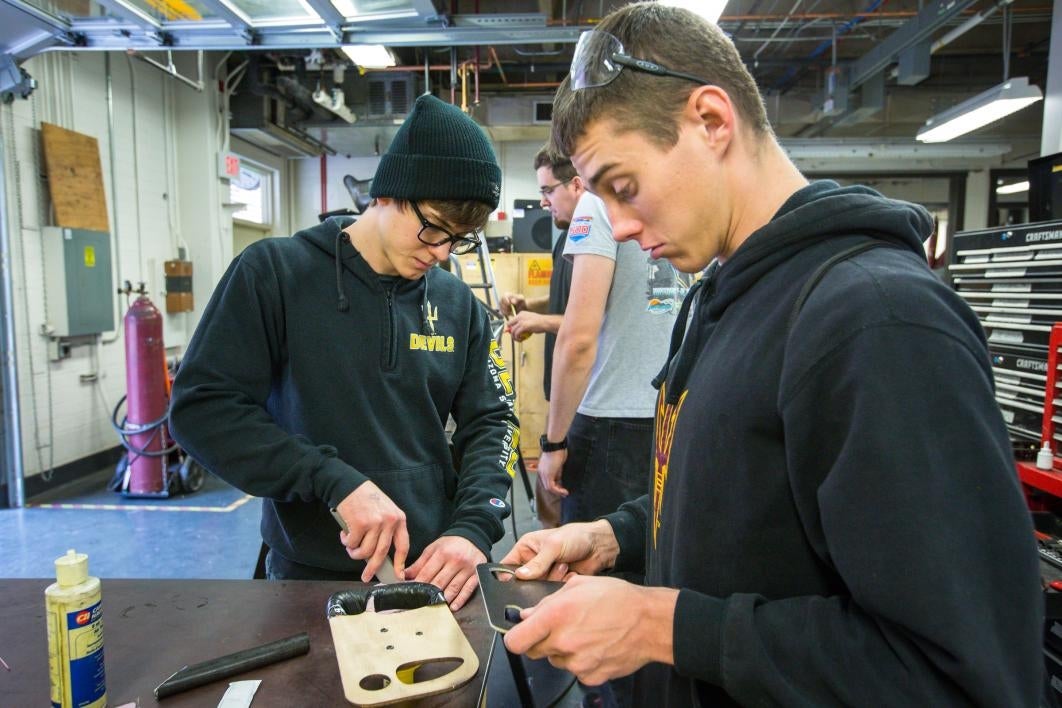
598	628
374	523
449	563
585	549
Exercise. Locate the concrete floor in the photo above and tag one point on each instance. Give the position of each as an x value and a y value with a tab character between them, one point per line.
212	533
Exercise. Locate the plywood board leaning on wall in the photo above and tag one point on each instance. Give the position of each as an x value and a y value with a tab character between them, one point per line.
75	178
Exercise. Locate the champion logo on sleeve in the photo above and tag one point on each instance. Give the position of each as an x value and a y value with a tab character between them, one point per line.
495	501
580	228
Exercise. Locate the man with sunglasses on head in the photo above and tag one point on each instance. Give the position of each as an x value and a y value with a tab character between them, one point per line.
834	518
560	188
325	366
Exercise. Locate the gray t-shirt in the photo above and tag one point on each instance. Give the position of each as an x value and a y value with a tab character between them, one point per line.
639	314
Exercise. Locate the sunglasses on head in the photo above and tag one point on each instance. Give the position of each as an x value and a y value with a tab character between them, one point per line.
599	58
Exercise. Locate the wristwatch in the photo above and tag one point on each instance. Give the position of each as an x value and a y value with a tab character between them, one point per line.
546	446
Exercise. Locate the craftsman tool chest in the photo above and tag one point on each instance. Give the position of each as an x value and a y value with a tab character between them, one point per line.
1012	278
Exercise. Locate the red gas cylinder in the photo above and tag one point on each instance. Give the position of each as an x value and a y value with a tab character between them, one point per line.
147	396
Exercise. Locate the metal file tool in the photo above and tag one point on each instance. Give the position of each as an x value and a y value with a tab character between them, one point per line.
386	572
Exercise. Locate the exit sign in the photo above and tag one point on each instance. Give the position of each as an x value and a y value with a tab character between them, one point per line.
229	165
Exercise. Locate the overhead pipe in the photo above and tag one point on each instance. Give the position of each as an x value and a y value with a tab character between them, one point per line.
476	57
784	83
777	16
171	69
959	31
966	26
116	249
497	62
453	75
892	14
453	60
413	68
525	84
426	67
324	184
463	73
777	29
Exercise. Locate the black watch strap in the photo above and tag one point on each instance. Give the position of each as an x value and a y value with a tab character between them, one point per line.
546	446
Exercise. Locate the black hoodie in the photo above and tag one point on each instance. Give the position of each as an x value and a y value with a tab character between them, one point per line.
307	377
837	503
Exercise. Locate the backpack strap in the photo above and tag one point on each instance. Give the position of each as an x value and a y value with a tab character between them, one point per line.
820	273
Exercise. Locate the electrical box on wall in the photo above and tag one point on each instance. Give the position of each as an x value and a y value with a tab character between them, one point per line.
78	281
179	286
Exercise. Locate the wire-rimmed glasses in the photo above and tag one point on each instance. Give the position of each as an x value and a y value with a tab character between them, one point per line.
547	190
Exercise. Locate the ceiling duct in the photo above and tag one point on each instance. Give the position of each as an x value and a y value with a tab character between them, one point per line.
390	96
263	121
271	107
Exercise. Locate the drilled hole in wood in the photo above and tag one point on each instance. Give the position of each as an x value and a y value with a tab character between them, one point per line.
390	646
420	671
375	682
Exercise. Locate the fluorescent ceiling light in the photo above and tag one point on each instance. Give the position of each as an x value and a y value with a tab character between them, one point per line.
979	111
369	56
1013	188
889	149
711	10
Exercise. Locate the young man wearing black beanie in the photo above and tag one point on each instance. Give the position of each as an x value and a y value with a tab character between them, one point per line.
326	364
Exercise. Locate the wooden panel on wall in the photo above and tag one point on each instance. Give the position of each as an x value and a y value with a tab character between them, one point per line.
75	178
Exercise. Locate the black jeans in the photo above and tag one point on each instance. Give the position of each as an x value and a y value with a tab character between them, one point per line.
277	567
610	461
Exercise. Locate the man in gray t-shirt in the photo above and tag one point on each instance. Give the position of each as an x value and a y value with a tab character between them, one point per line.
612	341
560	187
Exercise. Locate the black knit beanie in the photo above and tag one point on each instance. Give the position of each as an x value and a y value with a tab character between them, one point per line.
439	153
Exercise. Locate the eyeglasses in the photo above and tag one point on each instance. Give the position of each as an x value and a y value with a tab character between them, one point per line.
548	189
599	58
460	244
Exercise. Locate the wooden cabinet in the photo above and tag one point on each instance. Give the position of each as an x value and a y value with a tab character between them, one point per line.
526	273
